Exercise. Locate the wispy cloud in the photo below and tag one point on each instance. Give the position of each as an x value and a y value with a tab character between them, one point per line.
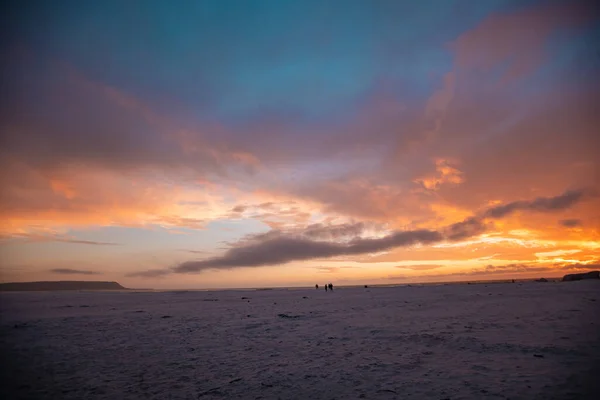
150	273
420	267
509	269
541	204
445	174
194	251
594	265
36	238
274	214
69	271
331	270
182	222
530	267
556	253
512	270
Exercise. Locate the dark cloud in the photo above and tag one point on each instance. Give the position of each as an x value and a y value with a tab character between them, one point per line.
541	204
318	231
277	247
69	271
150	273
255	238
461	230
239	209
332	232
570	223
281	250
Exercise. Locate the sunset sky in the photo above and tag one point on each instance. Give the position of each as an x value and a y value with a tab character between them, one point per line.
207	144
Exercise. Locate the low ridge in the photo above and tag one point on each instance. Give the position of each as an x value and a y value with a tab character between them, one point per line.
59	285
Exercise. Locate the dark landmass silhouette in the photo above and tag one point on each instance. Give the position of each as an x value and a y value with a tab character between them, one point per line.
59	285
581	276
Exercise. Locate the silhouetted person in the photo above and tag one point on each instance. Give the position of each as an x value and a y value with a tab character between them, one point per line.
331	287
317	286
325	287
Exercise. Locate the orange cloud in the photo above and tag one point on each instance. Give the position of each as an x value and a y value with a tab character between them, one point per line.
446	174
98	156
62	188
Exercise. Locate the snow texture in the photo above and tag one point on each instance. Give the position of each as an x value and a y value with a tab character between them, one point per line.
499	341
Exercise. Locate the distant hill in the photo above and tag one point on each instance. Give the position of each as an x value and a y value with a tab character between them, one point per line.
59	285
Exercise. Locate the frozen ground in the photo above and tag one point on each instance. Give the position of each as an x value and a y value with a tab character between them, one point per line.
497	341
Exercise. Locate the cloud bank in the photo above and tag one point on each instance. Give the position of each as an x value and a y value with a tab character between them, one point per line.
275	247
541	204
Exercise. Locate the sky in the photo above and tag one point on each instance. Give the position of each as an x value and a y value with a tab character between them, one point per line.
233	144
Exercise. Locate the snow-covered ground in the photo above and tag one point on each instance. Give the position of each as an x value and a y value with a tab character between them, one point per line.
518	341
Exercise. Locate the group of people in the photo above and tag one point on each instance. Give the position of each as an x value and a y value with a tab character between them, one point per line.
328	286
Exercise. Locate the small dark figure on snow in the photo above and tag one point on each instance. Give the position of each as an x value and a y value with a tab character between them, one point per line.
331	287
317	286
